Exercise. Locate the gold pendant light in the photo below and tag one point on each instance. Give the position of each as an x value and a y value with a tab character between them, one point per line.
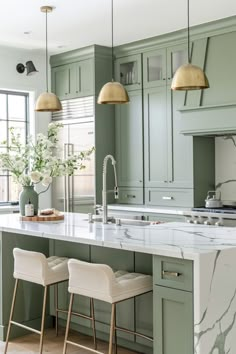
47	101
188	76
112	92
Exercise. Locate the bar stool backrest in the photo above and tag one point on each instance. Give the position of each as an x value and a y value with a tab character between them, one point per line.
29	265
92	280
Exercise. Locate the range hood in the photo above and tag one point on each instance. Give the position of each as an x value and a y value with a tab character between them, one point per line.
206	120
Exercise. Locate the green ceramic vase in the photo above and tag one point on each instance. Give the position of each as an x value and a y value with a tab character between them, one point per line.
28	193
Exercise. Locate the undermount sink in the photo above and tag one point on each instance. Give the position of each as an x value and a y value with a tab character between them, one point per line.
132	222
119	221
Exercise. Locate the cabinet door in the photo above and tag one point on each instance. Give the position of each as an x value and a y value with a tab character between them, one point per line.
180	161
173	321
84	78
62	77
176	56
128	71
155	137
129	141
154	68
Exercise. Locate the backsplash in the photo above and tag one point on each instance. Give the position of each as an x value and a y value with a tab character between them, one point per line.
225	165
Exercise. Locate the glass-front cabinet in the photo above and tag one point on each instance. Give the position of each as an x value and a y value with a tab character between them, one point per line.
128	71
160	65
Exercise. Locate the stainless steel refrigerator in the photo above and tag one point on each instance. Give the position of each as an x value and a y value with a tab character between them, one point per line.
75	193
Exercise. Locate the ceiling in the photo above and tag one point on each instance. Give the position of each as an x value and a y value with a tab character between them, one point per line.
78	23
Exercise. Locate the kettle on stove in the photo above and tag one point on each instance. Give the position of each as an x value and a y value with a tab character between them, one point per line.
212	201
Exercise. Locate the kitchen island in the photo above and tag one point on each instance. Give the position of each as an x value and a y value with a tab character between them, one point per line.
194	300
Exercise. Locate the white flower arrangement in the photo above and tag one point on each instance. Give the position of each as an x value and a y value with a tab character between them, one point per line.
37	162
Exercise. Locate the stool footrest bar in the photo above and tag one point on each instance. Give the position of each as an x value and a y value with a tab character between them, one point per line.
133	332
83	347
25	327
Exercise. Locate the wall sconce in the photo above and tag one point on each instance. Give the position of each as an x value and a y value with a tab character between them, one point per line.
29	66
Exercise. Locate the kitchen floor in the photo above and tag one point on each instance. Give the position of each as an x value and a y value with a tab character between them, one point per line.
29	344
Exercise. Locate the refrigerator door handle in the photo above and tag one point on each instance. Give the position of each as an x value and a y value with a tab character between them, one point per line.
68	182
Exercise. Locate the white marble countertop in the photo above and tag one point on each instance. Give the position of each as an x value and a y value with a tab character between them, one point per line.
175	239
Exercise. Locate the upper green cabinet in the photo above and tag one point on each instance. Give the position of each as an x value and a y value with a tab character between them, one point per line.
160	65
73	80
128	71
129	141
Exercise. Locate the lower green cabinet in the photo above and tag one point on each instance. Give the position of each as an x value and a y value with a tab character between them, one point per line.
173	321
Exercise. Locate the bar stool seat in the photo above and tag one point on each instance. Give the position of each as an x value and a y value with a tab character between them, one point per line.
99	281
36	268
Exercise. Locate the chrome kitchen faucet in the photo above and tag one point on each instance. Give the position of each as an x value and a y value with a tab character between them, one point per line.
104	185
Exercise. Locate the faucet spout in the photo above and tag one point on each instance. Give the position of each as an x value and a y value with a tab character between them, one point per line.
104	185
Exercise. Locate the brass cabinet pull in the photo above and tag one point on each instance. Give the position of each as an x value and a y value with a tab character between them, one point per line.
130	196
172	274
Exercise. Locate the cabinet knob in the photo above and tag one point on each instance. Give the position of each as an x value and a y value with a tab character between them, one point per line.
130	196
167	198
77	91
164	79
165	181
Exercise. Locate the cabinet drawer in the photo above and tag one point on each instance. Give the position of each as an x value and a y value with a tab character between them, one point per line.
173	272
131	195
168	197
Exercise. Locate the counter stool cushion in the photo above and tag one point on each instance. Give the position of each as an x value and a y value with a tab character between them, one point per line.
100	282
36	268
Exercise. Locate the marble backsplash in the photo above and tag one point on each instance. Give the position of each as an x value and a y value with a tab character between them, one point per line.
225	166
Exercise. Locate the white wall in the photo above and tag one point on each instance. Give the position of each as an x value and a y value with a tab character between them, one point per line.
225	149
10	79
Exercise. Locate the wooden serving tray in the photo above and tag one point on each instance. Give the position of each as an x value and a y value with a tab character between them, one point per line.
38	218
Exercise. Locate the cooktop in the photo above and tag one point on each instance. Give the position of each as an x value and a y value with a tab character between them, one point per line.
226	210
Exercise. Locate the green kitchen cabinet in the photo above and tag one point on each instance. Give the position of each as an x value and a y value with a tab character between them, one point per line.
172	305
129	141
173	321
73	80
128	71
172	160
160	65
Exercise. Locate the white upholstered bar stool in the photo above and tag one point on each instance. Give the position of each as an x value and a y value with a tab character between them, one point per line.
36	268
99	281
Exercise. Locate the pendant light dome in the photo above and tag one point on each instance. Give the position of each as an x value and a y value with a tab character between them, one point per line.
112	92
47	101
189	76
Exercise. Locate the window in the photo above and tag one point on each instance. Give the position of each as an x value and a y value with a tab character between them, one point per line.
13	113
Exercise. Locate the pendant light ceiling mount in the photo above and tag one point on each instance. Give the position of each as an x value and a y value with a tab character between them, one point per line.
112	92
47	101
189	76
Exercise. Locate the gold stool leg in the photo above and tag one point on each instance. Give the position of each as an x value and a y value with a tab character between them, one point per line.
68	322
11	315
56	306
115	331
112	327
93	323
43	319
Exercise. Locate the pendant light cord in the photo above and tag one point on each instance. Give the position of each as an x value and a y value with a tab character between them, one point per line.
189	58
112	51
47	50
